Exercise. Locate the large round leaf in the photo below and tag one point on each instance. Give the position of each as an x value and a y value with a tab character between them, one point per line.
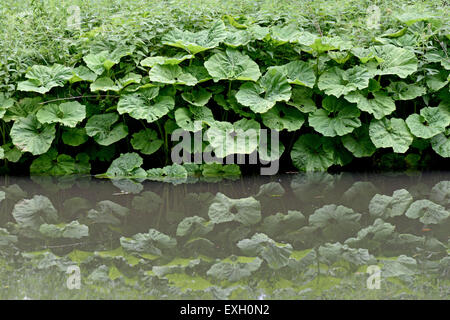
427	212
145	104
42	79
338	82
232	65
379	103
430	122
337	118
283	117
441	144
197	97
33	212
104	130
262	96
394	60
195	42
29	135
172	74
146	141
299	72
191	119
68	113
392	132
308	154
358	142
245	210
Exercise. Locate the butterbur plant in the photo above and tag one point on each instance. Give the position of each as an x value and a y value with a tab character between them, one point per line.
335	102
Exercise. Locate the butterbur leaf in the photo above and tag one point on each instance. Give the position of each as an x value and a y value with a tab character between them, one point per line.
358	142
192	119
338	82
171	74
52	163
234	269
174	174
262	96
405	91
240	137
392	132
237	38
382	206
283	117
153	242
105	60
336	118
195	42
127	165
245	210
232	65
146	141
331	253
29	135
395	60
107	212
379	103
298	72
194	226
82	73
197	97
275	254
104	84
5	103
104	129
11	153
441	193
430	122
68	114
74	136
73	230
308	154
42	79
153	61
427	212
302	99
217	170
282	34
22	109
31	213
441	144
372	236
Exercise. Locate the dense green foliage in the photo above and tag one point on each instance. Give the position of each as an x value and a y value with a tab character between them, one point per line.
337	90
273	242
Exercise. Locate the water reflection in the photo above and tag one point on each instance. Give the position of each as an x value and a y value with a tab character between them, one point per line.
295	236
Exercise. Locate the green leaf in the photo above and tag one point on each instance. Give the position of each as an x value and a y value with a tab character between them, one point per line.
430	122
195	42
28	135
144	104
68	114
105	60
171	74
73	230
104	84
380	105
31	213
42	78
11	153
273	85
153	61
152	242
74	136
192	118
308	154
282	34
174	174
275	254
298	72
217	170
337	118
22	109
405	91
441	193
358	142
395	60
441	144
234	270
232	65
438	81
197	97
302	99
107	212
245	210
283	117
382	206
146	141
103	129
392	132
194	227
338	82
127	165
238	138
237	38
5	104
427	212
82	73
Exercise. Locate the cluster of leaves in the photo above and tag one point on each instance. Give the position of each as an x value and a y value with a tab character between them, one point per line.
216	243
332	99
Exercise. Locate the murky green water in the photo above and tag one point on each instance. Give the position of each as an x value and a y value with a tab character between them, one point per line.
299	236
